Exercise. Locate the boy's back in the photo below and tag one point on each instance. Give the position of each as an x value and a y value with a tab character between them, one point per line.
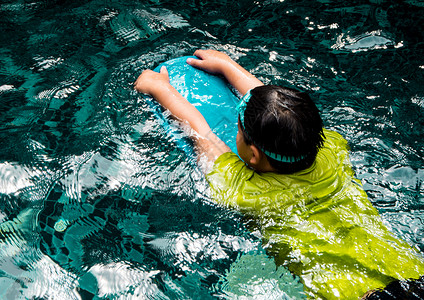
319	222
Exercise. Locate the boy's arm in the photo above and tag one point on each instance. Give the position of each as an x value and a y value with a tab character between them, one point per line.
216	62
157	85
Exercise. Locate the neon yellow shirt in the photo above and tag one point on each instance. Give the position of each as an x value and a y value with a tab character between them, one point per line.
319	223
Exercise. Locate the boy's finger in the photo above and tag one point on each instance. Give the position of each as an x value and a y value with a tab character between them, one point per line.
194	62
199	53
164	70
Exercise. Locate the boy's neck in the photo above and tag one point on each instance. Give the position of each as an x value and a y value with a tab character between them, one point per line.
264	166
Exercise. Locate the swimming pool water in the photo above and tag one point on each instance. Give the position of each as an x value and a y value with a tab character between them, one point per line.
96	202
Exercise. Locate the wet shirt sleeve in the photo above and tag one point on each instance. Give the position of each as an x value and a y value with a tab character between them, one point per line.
235	185
228	178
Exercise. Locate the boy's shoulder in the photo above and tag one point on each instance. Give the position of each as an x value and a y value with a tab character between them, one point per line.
334	139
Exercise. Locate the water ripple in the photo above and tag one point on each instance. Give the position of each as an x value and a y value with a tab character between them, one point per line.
365	42
126	279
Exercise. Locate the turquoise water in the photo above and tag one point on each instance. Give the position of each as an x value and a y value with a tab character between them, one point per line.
96	202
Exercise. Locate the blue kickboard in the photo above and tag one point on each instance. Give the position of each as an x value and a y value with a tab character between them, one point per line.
210	94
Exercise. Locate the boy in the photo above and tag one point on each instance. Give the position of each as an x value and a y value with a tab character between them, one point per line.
295	179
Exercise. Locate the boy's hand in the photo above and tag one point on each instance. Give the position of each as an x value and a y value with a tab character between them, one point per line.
211	61
219	63
150	82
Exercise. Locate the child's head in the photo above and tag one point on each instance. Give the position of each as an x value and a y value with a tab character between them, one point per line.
284	124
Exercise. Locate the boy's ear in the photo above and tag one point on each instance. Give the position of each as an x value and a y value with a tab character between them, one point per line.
256	157
259	161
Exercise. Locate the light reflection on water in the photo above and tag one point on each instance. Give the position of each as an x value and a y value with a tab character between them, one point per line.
82	153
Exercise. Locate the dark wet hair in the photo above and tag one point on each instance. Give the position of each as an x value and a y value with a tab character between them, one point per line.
286	122
399	289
